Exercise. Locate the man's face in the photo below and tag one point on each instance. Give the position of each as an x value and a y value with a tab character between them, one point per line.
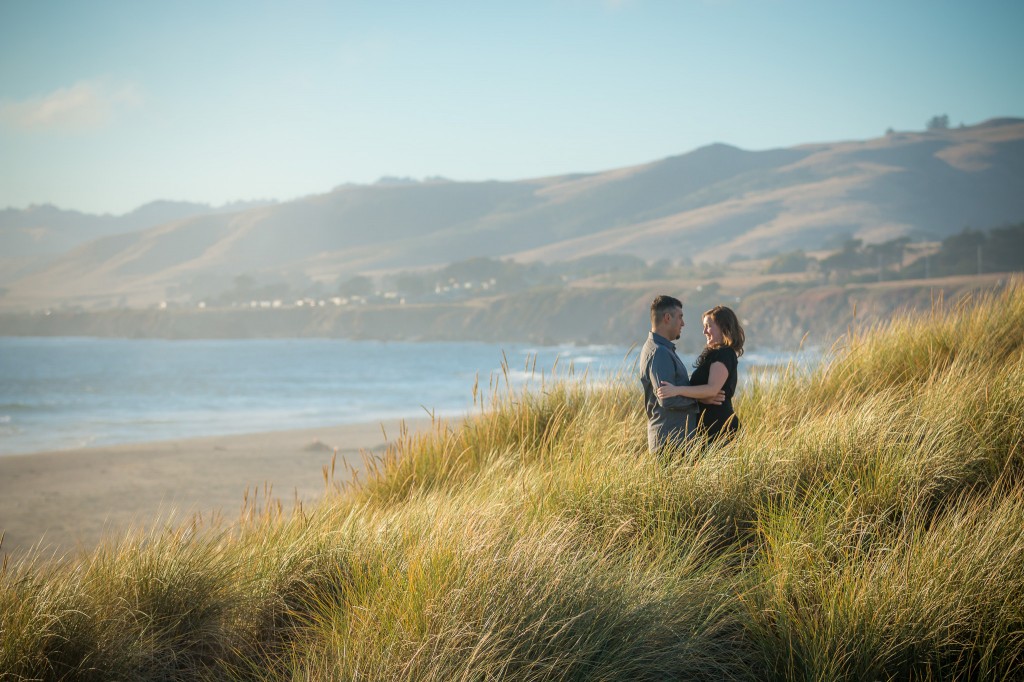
673	324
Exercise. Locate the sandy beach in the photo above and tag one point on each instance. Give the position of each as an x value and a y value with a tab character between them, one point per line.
63	502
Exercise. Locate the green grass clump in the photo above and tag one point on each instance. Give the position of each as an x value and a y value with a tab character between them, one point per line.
867	523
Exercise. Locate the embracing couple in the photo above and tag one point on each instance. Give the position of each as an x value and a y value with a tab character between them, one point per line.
679	406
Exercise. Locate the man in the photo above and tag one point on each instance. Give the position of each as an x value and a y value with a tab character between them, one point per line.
669	420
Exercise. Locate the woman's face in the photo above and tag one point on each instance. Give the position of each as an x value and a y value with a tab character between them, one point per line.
712	332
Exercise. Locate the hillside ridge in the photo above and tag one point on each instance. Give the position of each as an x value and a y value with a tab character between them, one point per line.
714	203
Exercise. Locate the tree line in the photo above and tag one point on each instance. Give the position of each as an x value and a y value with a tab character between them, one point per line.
968	252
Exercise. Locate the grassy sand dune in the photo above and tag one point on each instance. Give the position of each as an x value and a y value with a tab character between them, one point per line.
867	523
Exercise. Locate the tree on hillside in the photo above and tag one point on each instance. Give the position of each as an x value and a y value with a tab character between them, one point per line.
973	251
359	285
887	254
246	288
960	253
244	284
413	283
849	257
793	261
1005	248
938	123
508	274
893	248
710	289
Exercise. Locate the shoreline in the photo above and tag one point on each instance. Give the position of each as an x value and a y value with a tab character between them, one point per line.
55	503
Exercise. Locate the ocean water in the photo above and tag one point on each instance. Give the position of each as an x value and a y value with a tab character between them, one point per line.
67	393
63	393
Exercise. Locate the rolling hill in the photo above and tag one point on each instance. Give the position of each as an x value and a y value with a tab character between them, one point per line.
706	205
30	238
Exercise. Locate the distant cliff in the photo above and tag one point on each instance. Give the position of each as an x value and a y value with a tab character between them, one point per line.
779	318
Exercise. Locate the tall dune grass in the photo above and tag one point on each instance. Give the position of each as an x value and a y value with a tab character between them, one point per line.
867	523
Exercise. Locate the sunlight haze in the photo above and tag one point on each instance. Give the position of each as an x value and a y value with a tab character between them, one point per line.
105	106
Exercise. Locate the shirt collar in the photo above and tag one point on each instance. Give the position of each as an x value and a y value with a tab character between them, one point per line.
662	341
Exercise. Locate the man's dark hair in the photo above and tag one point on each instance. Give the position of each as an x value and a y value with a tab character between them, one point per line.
663	304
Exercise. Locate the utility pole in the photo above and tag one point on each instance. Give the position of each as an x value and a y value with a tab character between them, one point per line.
979	259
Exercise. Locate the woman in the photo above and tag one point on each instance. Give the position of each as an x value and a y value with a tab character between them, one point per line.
714	371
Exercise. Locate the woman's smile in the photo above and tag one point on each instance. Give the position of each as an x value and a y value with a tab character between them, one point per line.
712	332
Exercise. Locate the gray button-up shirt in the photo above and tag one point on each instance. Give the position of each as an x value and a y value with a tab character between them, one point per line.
673	418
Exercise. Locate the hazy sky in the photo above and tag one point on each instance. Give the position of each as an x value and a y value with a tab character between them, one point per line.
105	106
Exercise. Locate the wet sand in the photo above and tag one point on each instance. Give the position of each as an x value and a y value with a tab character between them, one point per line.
63	502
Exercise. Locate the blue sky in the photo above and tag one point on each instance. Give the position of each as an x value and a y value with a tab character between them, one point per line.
105	106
